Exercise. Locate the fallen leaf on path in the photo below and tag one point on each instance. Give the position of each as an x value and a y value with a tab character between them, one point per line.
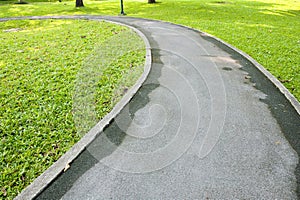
66	167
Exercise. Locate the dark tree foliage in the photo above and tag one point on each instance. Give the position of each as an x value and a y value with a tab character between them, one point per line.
79	3
151	1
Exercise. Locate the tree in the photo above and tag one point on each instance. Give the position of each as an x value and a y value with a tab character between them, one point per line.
151	1
79	3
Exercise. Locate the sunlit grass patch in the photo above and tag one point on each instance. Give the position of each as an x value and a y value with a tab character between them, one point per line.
38	68
268	30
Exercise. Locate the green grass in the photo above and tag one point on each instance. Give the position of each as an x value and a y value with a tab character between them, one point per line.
34	132
39	67
268	30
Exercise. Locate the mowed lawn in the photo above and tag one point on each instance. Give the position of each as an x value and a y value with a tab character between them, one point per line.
32	139
44	67
268	30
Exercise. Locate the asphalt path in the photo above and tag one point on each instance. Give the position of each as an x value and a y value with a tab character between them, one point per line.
206	123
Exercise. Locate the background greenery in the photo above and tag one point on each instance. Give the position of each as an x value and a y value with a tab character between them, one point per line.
268	30
38	68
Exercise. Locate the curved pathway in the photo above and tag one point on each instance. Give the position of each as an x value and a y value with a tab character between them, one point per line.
208	122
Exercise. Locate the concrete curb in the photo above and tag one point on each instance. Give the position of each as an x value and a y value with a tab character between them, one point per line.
294	102
41	182
266	73
57	168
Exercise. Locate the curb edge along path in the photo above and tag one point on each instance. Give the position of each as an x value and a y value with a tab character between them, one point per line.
252	130
58	167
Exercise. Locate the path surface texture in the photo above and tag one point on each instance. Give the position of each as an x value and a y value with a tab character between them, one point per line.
205	124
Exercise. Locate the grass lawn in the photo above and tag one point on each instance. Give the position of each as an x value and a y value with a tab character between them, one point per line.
268	30
40	64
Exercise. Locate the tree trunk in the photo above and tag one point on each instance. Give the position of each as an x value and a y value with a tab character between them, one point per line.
79	3
151	1
21	2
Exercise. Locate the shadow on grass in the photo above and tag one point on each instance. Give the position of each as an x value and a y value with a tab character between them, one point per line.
91	10
16	2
